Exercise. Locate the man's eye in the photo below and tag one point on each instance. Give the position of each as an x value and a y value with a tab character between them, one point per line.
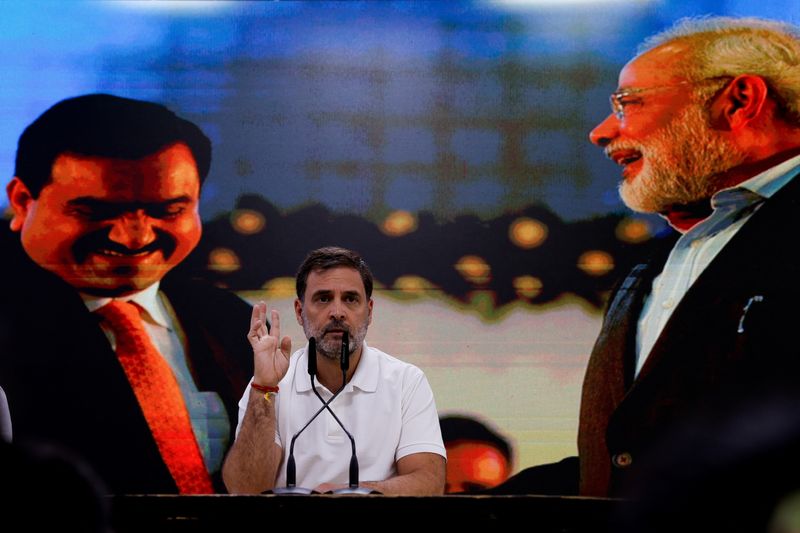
628	100
93	214
166	211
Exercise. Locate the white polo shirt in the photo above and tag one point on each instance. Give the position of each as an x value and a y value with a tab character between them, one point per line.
387	407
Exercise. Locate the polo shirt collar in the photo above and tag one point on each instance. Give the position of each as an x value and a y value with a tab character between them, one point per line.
365	377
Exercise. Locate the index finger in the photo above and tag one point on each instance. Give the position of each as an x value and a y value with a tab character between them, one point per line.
258	315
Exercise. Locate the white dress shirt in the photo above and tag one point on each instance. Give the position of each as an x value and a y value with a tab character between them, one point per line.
696	248
206	409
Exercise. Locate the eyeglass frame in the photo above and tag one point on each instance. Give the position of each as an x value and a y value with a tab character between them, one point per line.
617	106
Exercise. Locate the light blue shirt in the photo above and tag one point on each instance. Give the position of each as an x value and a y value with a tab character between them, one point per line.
699	246
206	409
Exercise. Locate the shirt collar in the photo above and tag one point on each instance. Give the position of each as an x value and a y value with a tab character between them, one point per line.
733	203
365	377
771	180
147	299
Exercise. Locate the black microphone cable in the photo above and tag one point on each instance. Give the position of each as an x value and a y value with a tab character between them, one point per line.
291	470
344	364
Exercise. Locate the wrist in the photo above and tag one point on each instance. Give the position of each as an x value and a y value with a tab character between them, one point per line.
264	388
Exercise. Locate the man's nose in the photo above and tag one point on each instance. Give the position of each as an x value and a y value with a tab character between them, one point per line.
337	309
605	132
133	230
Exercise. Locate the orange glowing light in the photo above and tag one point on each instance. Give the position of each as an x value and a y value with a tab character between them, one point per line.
247	221
280	287
474	269
223	260
527	286
596	262
412	284
527	232
633	230
399	223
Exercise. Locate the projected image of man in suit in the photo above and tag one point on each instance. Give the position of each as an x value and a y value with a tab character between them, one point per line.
105	203
705	124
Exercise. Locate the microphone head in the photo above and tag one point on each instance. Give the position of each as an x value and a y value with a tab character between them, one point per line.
345	359
312	356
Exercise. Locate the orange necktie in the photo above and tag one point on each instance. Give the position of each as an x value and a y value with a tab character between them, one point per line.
159	396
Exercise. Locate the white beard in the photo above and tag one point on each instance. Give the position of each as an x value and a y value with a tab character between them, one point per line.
680	164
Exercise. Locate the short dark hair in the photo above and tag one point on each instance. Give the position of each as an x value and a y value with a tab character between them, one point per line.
103	125
332	257
461	428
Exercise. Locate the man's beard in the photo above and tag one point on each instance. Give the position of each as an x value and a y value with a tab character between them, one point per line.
681	164
328	346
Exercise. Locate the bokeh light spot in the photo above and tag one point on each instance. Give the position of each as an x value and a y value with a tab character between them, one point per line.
527	232
473	268
247	221
527	286
399	223
283	287
223	260
412	284
596	262
633	230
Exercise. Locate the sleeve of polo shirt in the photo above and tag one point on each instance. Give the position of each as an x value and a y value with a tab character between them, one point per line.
420	431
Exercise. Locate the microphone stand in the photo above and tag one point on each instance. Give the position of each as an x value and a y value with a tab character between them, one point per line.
344	364
291	487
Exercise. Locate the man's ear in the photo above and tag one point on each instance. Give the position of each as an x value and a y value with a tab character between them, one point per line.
298	311
19	198
742	101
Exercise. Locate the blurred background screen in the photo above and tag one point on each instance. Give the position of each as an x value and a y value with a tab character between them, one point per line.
445	141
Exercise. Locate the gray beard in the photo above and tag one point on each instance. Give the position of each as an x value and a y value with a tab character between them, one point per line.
681	166
332	349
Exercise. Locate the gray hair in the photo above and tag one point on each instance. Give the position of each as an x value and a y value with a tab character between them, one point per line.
728	46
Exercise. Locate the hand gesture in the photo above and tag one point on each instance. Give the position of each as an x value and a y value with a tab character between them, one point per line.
270	352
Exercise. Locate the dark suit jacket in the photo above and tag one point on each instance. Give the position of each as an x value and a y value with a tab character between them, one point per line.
65	386
715	351
731	336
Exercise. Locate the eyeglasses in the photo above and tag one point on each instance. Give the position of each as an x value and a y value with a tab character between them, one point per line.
619	99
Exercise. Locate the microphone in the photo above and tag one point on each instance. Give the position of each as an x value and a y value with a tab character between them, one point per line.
344	358
291	471
344	364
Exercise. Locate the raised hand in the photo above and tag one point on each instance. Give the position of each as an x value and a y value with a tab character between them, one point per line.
270	352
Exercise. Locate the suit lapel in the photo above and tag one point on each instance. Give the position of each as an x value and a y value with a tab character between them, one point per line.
220	359
608	375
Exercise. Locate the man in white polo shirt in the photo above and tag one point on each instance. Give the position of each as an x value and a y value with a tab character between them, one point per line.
386	405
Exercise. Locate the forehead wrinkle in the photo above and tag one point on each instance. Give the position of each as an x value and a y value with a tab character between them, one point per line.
114	174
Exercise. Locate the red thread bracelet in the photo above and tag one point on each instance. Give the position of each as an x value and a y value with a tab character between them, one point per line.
264	388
